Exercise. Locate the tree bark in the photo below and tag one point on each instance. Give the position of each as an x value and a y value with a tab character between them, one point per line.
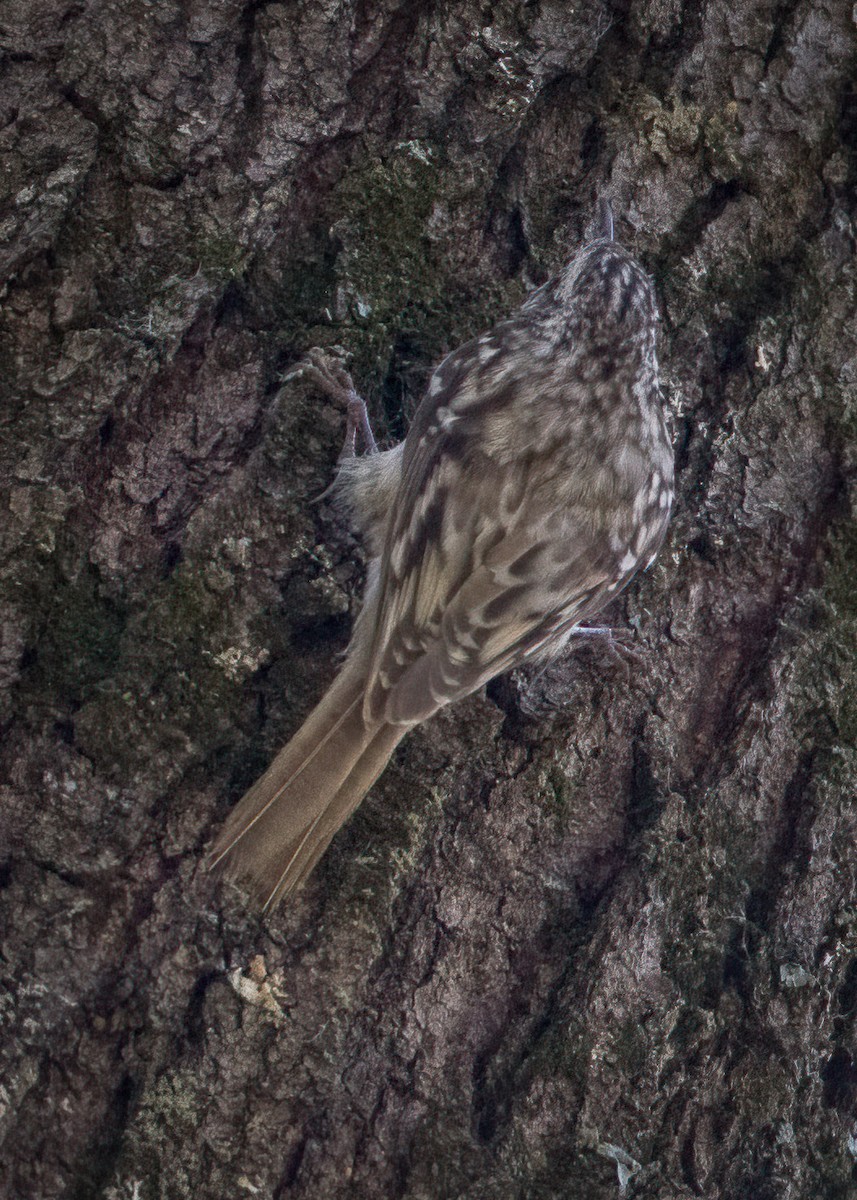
593	934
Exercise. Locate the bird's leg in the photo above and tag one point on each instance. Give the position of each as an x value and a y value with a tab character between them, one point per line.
332	379
357	421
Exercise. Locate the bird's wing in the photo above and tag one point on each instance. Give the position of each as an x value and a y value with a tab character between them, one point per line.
487	558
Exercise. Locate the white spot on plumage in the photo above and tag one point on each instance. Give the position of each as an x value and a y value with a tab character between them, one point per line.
621	283
466	639
436	384
445	417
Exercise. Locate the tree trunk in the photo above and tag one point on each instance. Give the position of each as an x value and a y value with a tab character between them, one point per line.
593	934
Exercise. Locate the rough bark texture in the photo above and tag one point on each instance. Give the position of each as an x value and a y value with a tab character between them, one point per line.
607	950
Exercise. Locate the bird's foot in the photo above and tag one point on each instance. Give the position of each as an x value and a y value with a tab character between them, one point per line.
616	643
330	377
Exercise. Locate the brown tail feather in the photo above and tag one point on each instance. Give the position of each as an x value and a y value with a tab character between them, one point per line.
279	830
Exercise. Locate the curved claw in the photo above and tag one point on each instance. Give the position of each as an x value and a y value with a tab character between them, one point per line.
329	374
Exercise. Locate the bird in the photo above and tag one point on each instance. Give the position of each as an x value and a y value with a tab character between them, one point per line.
535	480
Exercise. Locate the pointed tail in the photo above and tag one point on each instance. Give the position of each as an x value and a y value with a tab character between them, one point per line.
276	834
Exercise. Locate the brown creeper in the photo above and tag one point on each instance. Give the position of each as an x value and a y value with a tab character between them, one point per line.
536	479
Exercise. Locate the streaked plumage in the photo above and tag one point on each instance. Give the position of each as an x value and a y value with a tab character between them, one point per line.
535	481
